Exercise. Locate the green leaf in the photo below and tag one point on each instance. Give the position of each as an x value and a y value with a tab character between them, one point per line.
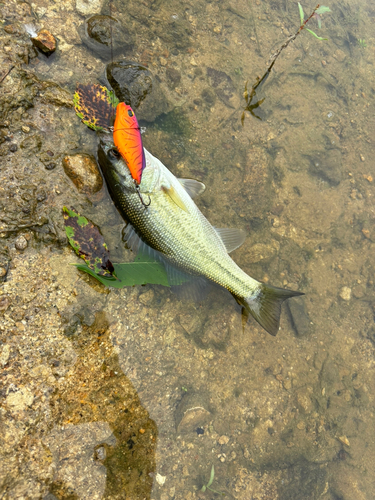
322	9
131	274
301	13
212	476
318	37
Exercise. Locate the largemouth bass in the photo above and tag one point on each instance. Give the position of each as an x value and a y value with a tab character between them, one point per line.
180	235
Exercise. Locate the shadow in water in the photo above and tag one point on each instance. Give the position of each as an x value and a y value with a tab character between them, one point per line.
103	443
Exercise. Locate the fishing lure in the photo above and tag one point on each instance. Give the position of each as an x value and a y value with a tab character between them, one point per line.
128	141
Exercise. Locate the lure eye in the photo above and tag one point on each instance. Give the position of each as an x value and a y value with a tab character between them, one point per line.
130	112
114	154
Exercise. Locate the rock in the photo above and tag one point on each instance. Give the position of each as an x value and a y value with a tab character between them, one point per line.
147	297
223	85
83	172
209	96
4	356
45	42
327	166
4	303
135	85
223	440
299	316
21	243
100	453
20	399
13	148
192	412
173	77
345	293
97	32
339	55
3	272
261	252
175	32
87	7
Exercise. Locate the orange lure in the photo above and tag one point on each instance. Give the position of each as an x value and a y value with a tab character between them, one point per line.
128	140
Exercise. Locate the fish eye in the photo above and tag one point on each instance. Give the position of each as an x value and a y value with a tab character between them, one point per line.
113	153
130	112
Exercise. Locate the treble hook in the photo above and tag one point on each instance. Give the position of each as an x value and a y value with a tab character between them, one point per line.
140	196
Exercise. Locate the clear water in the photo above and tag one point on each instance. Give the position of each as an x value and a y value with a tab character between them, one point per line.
135	394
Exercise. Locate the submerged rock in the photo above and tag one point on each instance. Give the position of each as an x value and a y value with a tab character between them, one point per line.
223	85
327	166
98	31
173	77
83	172
133	83
192	412
87	7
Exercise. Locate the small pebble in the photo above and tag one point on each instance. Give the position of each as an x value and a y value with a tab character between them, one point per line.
21	243
50	166
223	440
45	42
345	293
100	453
25	129
344	440
13	148
4	303
362	157
366	233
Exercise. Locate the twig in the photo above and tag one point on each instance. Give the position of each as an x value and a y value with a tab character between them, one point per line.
249	96
7	73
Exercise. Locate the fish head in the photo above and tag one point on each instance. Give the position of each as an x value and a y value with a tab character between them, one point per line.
112	164
125	117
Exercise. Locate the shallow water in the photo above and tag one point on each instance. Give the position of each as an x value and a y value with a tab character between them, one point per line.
133	393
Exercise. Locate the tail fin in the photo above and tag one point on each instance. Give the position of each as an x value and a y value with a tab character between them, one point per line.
265	306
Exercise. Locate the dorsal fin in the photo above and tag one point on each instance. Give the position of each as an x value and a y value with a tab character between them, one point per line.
231	237
192	187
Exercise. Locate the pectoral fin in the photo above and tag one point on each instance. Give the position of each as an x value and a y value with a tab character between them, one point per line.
175	197
192	187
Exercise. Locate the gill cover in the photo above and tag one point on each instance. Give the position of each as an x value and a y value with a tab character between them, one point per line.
128	140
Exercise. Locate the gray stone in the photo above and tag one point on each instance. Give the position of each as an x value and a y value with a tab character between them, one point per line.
86	7
135	85
105	35
21	243
327	166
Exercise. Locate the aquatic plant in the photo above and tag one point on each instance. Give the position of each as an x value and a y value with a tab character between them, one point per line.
249	96
210	481
362	43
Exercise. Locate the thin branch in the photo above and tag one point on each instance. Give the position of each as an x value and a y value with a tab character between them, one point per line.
6	74
250	95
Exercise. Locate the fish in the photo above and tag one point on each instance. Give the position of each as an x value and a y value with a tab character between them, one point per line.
175	232
128	140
